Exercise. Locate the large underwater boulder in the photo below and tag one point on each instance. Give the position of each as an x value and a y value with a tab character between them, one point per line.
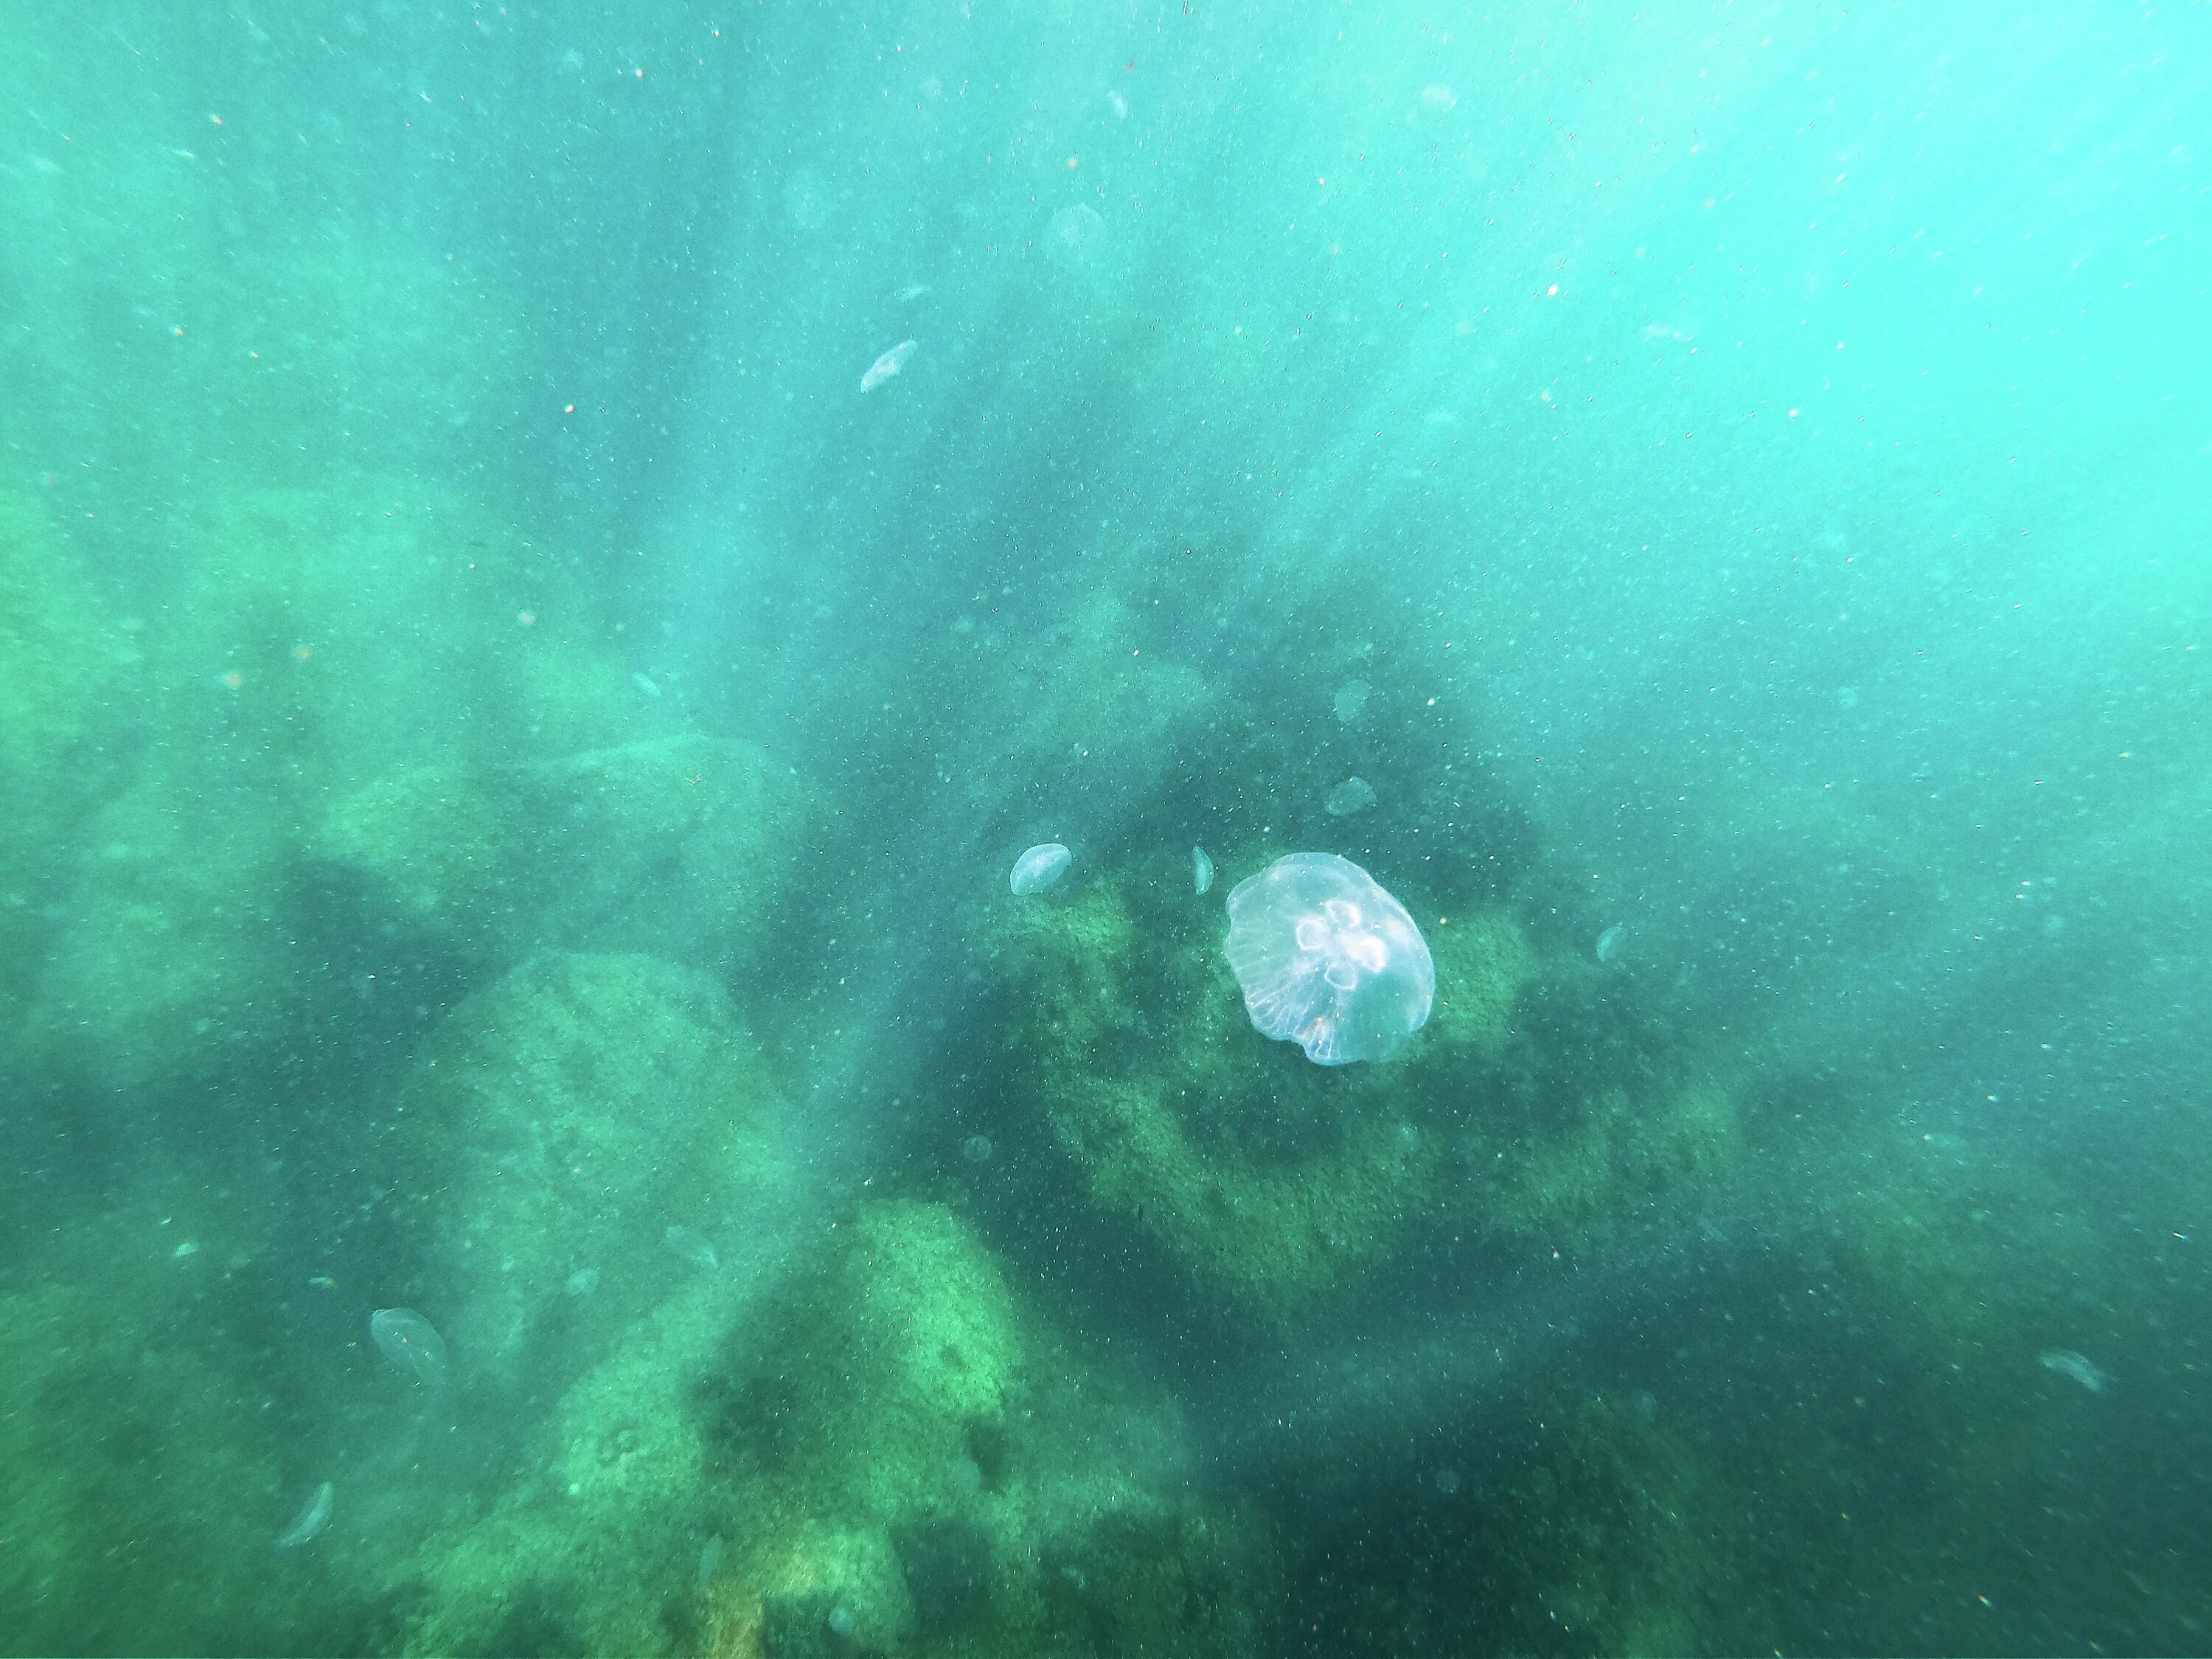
684	845
1270	1179
64	655
889	1454
591	1133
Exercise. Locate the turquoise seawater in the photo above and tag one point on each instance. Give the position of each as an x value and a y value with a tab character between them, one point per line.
554	557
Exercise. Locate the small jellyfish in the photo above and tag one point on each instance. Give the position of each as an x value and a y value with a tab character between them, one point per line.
1039	868
315	1515
1610	941
710	1557
1076	232
887	365
582	1282
1447	1482
1328	960
1201	870
410	1341
647	683
976	1149
1351	700
2080	1367
692	1248
809	199
1353	795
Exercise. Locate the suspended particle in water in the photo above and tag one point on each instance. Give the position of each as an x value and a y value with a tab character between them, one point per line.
1353	795
410	1342
1038	868
1328	960
1201	870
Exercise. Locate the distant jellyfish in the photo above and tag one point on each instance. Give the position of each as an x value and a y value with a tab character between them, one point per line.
1201	870
692	1248
887	365
1039	868
1610	941
1327	960
808	200
1075	232
315	1515
2082	1369
410	1342
1447	1482
976	1149
1353	795
1351	700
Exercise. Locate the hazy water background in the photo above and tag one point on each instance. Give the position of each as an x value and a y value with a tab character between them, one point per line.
1764	454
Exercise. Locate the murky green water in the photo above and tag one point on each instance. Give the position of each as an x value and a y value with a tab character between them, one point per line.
551	561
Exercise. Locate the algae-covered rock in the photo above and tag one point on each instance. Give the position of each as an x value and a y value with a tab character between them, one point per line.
684	845
62	658
129	1473
337	634
1617	1536
1271	1179
179	948
895	1456
1030	1495
595	1547
568	1116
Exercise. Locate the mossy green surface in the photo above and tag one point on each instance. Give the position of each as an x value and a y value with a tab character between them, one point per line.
144	1456
684	845
64	656
1028	1488
179	955
564	1119
1269	1178
895	1456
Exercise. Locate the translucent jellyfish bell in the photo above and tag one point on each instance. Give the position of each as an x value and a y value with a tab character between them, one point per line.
1039	868
1327	960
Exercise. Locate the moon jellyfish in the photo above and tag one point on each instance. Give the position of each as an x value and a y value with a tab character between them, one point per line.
1327	960
692	1248
315	1515
2082	1369
1353	795
1201	870
1039	868
808	200
1351	700
1076	232
976	1149
1610	941
410	1342
887	365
